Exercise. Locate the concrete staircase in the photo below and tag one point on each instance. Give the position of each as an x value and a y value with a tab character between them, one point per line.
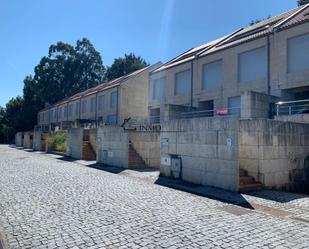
135	160
247	183
88	153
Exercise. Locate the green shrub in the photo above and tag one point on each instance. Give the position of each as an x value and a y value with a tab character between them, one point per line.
57	141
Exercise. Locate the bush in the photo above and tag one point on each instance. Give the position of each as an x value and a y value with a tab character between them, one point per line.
57	141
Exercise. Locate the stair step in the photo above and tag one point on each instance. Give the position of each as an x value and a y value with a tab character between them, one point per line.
246	180
243	188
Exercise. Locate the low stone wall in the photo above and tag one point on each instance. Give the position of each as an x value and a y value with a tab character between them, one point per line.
28	140
112	146
37	136
75	143
274	152
298	118
208	148
147	145
19	139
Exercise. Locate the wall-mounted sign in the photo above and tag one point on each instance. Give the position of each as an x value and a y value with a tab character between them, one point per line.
222	111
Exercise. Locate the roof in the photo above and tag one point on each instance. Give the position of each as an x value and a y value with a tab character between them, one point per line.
274	24
101	87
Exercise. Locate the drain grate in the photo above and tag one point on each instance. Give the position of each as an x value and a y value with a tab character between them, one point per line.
236	210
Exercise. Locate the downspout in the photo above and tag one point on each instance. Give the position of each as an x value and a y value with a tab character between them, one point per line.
268	65
96	109
117	107
191	94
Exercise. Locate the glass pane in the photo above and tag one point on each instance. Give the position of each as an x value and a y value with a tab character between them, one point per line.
234	106
158	88
298	53
252	65
101	103
113	101
212	75
183	83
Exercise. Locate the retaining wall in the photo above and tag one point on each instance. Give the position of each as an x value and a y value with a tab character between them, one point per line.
274	152
75	143
208	148
147	145
112	146
28	140
19	139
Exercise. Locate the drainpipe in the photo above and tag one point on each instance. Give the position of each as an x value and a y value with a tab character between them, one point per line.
268	65
96	109
191	97
117	107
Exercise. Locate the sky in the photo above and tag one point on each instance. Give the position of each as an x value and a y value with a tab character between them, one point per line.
157	30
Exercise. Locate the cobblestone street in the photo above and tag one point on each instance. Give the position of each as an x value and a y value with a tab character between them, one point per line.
50	203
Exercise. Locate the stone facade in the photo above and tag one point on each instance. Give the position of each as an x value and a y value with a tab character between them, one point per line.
112	146
208	148
75	143
274	152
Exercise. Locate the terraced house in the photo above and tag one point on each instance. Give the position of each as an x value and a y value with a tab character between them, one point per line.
242	74
109	103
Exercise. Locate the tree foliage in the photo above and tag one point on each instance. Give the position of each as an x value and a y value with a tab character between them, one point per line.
67	70
122	66
302	2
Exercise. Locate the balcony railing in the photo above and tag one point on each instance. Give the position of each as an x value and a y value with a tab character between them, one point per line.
292	107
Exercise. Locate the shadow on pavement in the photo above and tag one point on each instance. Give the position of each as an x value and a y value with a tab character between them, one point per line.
225	196
277	196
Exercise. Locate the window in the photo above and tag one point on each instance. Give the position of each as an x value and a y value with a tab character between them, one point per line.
51	114
212	75
70	114
84	106
158	89
111	119
252	65
60	112
77	106
298	54
101	102
93	104
65	111
234	106
113	100
183	83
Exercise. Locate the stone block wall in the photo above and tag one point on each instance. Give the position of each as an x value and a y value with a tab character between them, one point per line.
256	105
37	136
112	146
208	148
274	152
298	118
147	145
28	140
19	139
75	143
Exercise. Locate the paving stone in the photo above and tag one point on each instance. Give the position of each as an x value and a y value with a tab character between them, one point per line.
47	204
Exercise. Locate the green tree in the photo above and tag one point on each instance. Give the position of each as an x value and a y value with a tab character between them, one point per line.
32	104
14	113
302	2
122	66
67	70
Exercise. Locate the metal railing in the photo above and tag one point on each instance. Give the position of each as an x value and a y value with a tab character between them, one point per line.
292	107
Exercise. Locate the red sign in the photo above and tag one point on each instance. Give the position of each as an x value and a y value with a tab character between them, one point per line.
222	111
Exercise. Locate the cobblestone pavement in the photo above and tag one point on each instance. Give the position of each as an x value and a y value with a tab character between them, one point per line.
50	203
